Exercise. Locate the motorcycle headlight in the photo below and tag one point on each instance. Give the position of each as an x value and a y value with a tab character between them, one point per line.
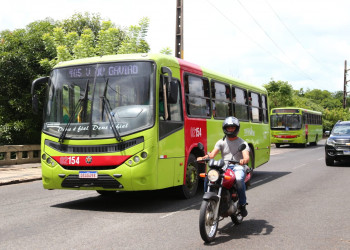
330	142
213	175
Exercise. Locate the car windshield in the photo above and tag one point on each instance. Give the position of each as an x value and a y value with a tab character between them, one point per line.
87	100
341	129
285	122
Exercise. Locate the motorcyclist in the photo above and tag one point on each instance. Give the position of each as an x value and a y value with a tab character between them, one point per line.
228	146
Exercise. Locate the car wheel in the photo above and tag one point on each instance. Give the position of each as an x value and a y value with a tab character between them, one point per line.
329	161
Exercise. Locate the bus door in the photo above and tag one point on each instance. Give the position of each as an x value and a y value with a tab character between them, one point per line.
171	135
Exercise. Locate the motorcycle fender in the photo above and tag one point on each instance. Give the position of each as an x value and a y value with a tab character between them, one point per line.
210	196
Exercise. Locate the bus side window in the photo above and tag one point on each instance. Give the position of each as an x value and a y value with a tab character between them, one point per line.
254	106
240	102
174	110
221	100
197	93
175	114
264	110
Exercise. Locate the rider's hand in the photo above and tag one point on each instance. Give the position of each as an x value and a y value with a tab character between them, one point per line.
243	162
202	158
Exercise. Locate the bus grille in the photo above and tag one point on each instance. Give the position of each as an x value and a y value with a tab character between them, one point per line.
105	181
94	149
89	168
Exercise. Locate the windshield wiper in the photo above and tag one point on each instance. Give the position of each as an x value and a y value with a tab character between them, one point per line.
106	106
72	115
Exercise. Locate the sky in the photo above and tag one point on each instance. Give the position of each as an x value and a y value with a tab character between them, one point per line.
303	42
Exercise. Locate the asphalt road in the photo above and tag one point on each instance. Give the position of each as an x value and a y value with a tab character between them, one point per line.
295	202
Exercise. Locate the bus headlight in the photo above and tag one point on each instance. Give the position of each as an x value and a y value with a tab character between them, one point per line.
213	175
136	159
144	155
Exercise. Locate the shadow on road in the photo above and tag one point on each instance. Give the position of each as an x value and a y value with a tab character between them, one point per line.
159	201
247	228
263	177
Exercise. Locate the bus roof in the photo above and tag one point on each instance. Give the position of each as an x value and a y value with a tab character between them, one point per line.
165	60
293	110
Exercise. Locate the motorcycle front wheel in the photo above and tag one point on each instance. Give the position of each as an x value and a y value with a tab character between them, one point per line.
207	225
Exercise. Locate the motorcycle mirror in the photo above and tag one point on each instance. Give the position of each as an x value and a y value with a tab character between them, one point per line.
241	147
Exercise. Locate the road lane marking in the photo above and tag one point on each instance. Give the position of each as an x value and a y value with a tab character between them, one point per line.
183	209
302	165
262	180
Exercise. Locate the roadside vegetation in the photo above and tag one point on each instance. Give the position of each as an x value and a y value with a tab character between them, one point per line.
31	52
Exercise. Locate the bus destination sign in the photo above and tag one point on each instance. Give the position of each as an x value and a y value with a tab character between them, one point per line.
107	70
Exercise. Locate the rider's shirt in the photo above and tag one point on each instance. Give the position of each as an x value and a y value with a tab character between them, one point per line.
226	147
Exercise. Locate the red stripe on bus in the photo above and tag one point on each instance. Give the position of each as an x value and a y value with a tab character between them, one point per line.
91	160
285	136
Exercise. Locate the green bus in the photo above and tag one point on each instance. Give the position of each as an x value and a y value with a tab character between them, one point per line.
133	122
295	126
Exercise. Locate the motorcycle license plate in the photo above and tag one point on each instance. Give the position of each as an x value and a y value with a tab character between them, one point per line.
88	175
346	152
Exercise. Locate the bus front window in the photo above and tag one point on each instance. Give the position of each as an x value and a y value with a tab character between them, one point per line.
285	122
87	100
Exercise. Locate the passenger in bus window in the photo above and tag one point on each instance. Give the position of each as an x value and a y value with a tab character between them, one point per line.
228	146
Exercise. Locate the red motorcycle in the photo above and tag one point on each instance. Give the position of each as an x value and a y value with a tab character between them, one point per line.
220	200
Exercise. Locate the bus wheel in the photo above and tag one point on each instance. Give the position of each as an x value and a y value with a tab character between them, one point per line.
251	165
277	145
189	189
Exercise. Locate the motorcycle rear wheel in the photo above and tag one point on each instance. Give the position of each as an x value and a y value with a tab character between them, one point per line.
207	225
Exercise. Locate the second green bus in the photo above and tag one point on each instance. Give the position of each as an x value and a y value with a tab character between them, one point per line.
295	126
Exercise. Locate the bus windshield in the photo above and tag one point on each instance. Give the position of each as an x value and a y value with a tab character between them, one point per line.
285	122
85	101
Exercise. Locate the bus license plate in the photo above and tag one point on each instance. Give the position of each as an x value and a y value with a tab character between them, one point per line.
88	175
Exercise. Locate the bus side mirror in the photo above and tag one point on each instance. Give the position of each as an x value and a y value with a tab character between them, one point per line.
173	92
200	147
35	84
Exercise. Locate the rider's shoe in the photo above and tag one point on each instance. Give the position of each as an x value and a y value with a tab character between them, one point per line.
243	210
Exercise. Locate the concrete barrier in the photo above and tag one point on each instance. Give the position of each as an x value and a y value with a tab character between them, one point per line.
19	154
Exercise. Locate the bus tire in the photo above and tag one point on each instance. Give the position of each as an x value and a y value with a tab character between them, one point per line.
189	189
251	164
277	145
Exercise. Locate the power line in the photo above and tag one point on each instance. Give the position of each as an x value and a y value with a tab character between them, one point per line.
292	34
244	33
277	46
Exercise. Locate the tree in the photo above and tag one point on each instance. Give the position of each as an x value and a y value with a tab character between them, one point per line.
167	51
280	94
20	53
26	54
84	38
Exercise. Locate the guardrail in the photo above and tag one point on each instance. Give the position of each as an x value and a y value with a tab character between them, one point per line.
19	154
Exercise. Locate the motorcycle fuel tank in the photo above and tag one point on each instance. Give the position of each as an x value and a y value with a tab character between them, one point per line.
229	179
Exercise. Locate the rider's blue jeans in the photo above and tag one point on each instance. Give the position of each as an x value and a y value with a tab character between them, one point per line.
240	176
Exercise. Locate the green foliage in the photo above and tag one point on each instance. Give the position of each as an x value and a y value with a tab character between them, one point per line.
167	51
79	37
20	53
134	41
281	94
26	54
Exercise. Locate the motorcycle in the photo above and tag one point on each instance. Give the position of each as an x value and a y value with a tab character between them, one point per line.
220	200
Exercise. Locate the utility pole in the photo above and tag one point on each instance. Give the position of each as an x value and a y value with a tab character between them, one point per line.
345	83
179	45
